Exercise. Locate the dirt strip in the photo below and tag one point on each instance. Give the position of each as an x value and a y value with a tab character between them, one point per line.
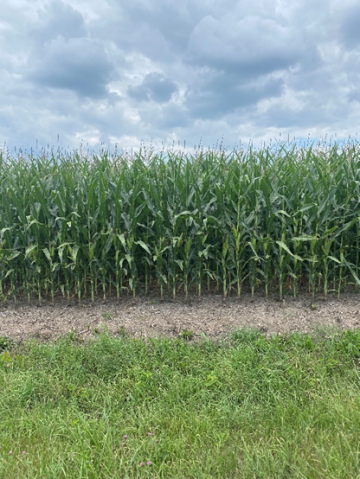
149	317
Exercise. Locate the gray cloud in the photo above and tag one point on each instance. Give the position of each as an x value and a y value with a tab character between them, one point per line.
78	64
225	93
155	87
254	45
350	26
158	30
58	19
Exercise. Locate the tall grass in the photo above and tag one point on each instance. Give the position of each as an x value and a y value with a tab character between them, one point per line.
273	219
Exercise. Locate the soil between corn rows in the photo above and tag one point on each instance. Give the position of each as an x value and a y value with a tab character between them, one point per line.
149	317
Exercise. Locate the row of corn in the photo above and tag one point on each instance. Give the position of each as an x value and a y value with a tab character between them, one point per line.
271	219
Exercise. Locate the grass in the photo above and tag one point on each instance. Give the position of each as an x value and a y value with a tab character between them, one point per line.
245	407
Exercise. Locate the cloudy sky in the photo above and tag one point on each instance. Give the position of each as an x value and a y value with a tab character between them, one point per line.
125	72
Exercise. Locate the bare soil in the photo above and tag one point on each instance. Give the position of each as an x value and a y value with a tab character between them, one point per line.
150	317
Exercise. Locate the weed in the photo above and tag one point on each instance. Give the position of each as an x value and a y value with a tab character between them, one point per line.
186	334
5	343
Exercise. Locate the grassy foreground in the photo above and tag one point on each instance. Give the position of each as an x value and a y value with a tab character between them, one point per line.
247	407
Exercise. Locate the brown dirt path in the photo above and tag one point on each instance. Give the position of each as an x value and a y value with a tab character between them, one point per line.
146	317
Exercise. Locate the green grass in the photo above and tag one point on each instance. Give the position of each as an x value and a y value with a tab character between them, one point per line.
245	407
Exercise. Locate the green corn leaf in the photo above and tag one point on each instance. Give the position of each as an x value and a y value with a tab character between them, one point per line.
334	259
74	252
180	263
282	212
183	213
177	241
256	256
128	258
108	245
283	245
33	222
304	238
14	255
9	272
4	230
29	250
348	225
354	275
122	239
54	266
305	208
328	232
47	254
143	245
187	246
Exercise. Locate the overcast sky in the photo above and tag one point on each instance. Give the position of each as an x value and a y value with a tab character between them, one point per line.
122	72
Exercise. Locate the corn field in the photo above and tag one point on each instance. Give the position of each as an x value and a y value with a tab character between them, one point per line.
270	220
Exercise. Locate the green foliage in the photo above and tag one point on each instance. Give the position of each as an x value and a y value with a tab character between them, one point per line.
249	406
275	218
187	335
5	343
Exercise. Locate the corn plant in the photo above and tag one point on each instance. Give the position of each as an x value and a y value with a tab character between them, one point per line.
278	217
